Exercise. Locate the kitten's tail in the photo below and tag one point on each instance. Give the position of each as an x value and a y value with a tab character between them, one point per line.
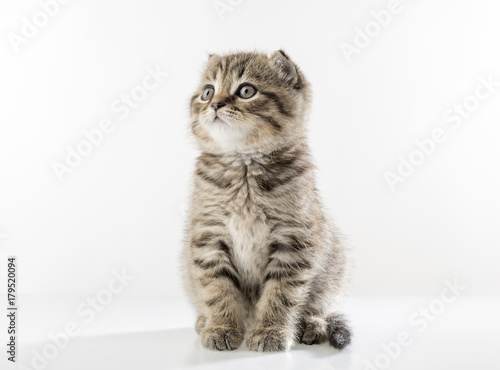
339	334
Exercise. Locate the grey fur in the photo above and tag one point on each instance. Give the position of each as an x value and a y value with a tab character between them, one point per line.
261	261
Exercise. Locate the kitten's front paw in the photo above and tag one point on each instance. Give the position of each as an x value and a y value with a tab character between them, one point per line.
269	340
221	338
313	332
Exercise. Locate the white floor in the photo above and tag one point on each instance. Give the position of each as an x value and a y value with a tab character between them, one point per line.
461	335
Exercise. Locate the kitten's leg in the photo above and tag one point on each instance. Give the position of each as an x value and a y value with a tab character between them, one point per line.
317	323
286	281
222	323
201	321
316	330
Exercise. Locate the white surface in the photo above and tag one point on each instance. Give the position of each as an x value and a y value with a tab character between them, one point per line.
160	335
124	205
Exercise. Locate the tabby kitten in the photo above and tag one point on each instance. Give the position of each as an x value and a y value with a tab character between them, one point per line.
262	261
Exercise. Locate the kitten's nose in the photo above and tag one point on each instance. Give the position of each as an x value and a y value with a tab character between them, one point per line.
218	104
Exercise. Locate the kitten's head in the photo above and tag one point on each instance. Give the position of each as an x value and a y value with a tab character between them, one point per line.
249	102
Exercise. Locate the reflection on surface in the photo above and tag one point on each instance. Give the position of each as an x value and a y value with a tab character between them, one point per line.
464	336
180	349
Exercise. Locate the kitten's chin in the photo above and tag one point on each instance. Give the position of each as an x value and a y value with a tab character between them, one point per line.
219	121
227	135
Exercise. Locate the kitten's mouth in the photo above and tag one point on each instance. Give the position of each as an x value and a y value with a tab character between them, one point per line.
219	120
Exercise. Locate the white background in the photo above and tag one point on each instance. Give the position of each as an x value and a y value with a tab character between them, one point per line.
123	206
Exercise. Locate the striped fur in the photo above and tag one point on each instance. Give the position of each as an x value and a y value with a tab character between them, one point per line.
261	260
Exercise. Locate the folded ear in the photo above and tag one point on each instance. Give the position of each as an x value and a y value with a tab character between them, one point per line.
284	66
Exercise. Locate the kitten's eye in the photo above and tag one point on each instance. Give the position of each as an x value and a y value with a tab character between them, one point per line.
207	93
247	91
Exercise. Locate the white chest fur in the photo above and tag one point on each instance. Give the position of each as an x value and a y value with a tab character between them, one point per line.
249	233
247	226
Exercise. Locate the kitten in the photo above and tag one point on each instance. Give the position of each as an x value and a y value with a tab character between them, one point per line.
262	260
